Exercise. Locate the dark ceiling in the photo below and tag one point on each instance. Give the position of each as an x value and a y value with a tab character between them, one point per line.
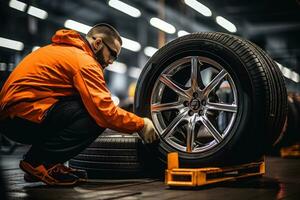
272	24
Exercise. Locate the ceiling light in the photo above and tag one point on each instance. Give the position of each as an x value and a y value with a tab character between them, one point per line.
150	51
125	8
18	5
130	44
286	72
11	44
162	25
117	67
35	48
199	7
37	12
134	72
226	24
77	26
295	77
182	33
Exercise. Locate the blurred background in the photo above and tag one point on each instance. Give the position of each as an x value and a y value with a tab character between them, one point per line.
147	25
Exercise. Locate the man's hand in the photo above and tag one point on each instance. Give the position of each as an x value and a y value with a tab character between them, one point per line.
148	133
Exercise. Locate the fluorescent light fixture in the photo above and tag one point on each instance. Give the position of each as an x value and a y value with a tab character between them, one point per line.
77	26
295	77
117	67
125	8
35	48
18	5
134	72
11	44
37	12
149	51
286	72
226	24
279	65
130	44
182	33
199	7
162	25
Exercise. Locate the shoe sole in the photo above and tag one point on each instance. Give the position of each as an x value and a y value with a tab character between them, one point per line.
28	169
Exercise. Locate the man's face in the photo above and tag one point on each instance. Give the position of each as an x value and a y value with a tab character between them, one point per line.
106	52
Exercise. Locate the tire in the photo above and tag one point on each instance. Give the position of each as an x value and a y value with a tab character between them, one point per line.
111	156
236	120
291	134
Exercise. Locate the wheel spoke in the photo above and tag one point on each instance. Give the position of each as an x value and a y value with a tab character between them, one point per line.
190	134
210	127
168	82
222	107
217	79
195	74
158	107
171	127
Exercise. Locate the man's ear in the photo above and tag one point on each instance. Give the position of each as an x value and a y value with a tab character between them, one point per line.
97	44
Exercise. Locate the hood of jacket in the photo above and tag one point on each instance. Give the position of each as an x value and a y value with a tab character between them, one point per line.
73	38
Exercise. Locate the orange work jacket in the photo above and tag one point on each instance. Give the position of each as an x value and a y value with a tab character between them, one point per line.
67	67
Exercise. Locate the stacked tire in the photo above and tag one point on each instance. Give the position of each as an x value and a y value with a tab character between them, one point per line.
115	155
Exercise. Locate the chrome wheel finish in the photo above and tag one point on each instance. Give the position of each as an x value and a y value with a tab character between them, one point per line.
194	104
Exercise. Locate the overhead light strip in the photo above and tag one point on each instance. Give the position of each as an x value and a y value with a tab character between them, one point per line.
290	74
199	7
125	8
77	26
162	25
131	44
35	48
11	44
226	24
18	5
182	33
150	51
37	12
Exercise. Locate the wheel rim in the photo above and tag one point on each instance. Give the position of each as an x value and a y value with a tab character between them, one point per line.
196	113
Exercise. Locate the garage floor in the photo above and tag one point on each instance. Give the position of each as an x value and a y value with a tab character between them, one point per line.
282	181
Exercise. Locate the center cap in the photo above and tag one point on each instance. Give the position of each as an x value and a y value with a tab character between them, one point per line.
195	104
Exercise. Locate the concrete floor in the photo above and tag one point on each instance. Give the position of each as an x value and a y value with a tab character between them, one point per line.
282	181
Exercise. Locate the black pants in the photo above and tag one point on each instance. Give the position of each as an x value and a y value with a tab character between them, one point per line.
66	131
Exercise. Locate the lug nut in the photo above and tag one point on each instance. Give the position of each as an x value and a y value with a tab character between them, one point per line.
186	103
191	113
195	94
200	112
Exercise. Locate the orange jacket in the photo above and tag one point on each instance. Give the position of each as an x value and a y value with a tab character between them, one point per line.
66	67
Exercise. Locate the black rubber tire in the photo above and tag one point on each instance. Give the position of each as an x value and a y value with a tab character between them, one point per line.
279	107
118	155
261	96
111	157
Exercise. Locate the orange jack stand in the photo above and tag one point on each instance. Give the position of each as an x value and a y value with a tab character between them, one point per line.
190	177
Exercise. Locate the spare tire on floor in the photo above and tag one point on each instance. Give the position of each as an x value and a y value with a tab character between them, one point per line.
214	98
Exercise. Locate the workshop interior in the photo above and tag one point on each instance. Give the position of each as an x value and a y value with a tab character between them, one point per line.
218	79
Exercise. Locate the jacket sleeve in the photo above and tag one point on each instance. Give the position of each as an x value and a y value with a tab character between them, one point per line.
90	83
